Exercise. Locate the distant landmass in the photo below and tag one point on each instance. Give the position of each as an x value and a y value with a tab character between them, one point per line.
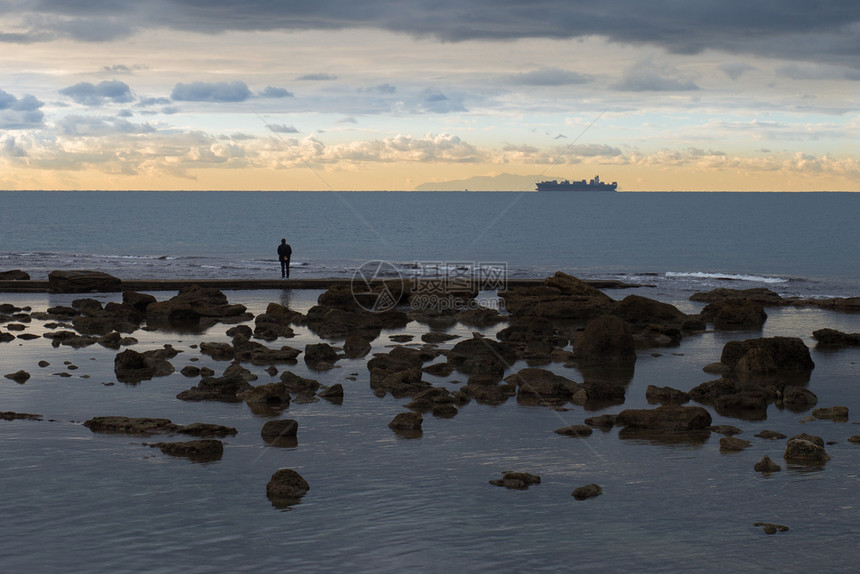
501	182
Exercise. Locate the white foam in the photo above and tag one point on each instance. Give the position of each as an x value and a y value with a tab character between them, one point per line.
727	276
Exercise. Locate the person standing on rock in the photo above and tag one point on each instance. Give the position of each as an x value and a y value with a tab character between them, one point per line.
284	253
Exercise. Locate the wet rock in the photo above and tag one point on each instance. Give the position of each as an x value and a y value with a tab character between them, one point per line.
562	297
218	351
575	431
770	528
839	413
139	301
770	435
542	384
735	314
595	395
435	337
281	432
19	377
14	275
805	449
82	281
272	395
286	487
356	346
641	312
665	395
727	430
299	385
746	405
730	443
13	416
489	394
439	369
766	465
148	426
271	326
516	480
427	399
195	307
225	388
320	354
133	367
481	355
6	337
444	411
855	439
833	339
190	371
587	491
764	355
334	393
204	450
207	429
529	329
759	294
410	421
606	340
798	399
605	421
716	369
667	418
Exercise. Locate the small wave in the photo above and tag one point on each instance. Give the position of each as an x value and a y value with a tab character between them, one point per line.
726	277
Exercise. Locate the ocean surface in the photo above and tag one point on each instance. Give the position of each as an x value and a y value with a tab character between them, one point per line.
795	243
77	501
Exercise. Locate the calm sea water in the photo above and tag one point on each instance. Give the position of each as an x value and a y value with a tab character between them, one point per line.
795	243
75	501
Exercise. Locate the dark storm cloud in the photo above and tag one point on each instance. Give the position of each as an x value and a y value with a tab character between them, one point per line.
88	94
794	29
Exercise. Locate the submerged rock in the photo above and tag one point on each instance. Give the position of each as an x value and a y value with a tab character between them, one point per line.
766	465
587	491
205	450
286	487
19	377
516	480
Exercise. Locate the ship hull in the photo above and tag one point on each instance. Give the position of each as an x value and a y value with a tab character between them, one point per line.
544	186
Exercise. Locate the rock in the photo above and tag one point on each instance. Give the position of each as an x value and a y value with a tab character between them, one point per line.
542	384
802	450
82	281
444	411
207	429
333	393
14	275
766	354
133	367
190	371
406	421
562	297
286	487
640	312
225	388
587	491
148	426
735	314
530	329
758	294
205	450
746	405
665	395
606	340
575	431
139	301
281	432
272	395
667	418
798	399
716	369
481	355
766	465
19	377
355	346
195	307
727	430
833	339
218	351
855	439
770	528
516	480
299	385
730	443
319	354
13	416
605	421
770	435
439	369
832	413
435	337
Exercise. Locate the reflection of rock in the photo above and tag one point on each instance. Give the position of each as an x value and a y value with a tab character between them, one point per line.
204	450
286	488
516	480
587	491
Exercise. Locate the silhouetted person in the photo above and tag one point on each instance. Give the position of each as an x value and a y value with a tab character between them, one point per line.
284	253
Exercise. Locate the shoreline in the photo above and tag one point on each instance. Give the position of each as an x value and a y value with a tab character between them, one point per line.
43	286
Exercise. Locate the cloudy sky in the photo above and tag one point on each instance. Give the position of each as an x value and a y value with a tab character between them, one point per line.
411	94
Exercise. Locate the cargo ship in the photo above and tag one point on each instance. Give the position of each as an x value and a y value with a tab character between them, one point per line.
581	185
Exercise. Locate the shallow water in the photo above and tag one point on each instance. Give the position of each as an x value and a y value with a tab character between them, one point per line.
75	500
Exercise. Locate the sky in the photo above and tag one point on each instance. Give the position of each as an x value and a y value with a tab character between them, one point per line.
658	95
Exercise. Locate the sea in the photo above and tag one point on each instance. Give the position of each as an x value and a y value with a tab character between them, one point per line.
76	501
